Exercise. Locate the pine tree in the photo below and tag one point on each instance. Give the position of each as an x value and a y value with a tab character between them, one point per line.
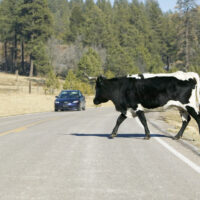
71	81
90	63
95	30
76	23
35	23
61	14
186	33
169	51
155	17
120	61
121	21
51	82
9	31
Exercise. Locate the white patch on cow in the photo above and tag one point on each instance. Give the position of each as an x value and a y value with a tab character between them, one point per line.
173	103
193	101
140	107
130	113
184	116
134	76
179	75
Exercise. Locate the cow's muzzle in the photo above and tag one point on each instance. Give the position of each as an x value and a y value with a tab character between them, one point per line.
96	101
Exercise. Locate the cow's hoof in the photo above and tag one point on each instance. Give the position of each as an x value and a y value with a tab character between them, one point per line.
175	138
146	137
112	136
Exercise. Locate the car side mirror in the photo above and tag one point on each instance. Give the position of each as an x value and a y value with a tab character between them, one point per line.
57	96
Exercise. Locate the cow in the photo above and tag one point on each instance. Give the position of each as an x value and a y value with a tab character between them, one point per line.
133	95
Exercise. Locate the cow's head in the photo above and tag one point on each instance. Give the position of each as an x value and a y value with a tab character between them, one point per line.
101	91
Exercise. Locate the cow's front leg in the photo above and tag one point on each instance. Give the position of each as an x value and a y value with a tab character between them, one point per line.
185	121
120	119
142	118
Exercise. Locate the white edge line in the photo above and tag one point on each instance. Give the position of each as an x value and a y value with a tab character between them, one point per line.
176	153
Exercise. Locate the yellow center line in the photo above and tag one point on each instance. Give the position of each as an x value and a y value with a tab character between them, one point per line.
22	128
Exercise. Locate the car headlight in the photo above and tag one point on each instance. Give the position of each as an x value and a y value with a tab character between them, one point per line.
75	101
57	102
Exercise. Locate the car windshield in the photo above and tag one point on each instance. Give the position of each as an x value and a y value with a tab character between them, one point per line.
69	94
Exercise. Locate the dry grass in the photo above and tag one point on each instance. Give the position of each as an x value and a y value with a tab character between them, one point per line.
13	104
14	97
191	133
10	83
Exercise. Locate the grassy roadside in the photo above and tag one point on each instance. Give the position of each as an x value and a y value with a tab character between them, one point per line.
10	83
15	99
15	104
191	134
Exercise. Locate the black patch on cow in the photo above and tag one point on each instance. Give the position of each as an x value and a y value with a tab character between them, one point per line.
157	91
195	115
141	76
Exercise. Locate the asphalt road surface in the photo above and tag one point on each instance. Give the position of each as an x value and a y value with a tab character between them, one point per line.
68	156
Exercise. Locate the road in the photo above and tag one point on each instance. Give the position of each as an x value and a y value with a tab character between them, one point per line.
68	156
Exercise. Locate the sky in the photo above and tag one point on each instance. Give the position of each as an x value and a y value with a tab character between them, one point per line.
167	5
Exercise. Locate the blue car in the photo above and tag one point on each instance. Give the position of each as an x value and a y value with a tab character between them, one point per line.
69	100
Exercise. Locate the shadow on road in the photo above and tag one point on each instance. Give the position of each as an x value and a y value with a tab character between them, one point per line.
124	135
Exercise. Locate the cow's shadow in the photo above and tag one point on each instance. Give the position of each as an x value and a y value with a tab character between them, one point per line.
120	135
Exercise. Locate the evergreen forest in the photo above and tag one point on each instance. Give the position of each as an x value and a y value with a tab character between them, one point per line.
67	39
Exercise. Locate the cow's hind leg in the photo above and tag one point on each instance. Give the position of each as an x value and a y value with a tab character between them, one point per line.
120	119
185	121
143	120
194	114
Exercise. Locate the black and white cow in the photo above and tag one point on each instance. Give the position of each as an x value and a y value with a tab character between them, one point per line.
133	95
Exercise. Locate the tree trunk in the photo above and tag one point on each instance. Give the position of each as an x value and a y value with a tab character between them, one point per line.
30	73
6	56
12	59
15	57
187	45
22	57
17	75
15	53
167	69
